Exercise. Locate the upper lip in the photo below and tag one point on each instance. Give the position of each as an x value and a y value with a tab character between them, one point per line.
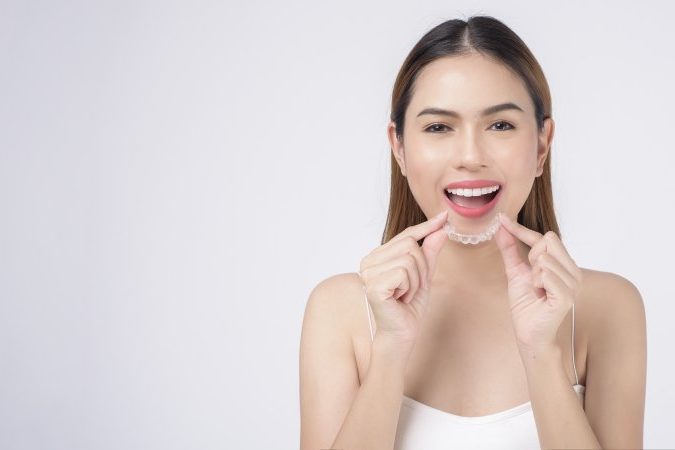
470	184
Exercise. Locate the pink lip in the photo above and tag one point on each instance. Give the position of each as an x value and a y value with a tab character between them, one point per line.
474	212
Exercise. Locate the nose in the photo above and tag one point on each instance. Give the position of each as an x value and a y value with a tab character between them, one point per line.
470	153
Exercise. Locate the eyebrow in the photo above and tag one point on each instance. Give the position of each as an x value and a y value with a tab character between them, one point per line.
485	112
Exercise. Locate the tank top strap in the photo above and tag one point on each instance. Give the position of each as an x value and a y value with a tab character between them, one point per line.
573	361
370	323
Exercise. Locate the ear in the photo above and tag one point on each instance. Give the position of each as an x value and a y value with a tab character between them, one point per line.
396	146
544	144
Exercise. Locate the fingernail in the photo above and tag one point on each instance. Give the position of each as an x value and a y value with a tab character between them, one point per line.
440	214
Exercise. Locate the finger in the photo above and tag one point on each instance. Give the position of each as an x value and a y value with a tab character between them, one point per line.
388	284
430	248
422	264
406	262
414	280
556	289
530	237
538	283
401	275
514	264
536	250
548	261
536	277
554	246
403	246
422	229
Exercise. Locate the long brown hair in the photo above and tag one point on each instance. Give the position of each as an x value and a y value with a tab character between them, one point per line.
488	36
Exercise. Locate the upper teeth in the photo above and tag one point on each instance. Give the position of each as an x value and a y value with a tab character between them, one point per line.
472	192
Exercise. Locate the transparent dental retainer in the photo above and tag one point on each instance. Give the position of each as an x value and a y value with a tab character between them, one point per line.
466	234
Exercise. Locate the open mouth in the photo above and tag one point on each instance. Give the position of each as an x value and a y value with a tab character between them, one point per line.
472	198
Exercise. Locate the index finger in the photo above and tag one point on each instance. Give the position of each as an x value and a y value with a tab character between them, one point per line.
530	237
424	228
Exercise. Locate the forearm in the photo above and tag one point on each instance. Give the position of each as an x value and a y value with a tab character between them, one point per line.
373	417
560	418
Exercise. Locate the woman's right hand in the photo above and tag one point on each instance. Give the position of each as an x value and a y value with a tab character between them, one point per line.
396	278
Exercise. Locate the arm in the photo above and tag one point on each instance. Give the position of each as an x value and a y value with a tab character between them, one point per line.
335	411
373	416
617	366
615	379
560	418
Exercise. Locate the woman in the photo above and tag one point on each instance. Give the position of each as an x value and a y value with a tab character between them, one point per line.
503	343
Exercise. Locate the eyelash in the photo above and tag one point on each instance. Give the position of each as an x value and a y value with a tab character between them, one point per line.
440	124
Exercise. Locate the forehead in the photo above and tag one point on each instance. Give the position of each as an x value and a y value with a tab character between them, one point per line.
467	83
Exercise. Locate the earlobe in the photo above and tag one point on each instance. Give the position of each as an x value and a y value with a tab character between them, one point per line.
541	162
396	147
545	140
400	159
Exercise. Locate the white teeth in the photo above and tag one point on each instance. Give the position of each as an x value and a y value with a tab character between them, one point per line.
472	192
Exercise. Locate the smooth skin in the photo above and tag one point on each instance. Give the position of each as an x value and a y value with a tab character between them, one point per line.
468	305
400	270
541	288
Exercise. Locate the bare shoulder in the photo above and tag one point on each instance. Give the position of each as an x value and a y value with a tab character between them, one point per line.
335	285
329	378
337	296
334	307
598	278
617	358
611	301
609	289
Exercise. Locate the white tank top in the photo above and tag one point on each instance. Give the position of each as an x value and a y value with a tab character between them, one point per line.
422	427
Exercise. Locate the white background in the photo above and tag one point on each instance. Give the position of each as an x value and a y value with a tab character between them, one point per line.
175	178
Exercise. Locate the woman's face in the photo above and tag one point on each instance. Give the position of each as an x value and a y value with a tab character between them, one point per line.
439	149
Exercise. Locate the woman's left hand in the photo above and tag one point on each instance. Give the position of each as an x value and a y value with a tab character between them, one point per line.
542	292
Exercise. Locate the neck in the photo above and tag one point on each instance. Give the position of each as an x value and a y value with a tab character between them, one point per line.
471	268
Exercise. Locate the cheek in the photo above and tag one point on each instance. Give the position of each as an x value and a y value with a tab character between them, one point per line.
420	152
424	162
519	170
423	170
519	160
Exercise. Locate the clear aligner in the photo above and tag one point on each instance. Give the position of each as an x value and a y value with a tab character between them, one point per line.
473	238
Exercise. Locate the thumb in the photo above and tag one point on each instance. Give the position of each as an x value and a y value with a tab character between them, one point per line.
508	248
431	246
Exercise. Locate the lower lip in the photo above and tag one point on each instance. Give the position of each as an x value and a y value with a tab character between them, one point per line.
474	212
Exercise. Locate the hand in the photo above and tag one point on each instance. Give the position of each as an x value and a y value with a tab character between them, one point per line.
542	292
396	278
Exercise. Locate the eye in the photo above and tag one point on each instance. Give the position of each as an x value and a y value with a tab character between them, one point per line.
435	127
511	127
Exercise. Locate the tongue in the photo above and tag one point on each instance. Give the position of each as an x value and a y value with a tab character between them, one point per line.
471	202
